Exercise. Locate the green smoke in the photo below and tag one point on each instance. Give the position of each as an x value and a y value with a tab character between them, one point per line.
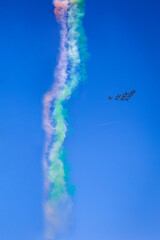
70	15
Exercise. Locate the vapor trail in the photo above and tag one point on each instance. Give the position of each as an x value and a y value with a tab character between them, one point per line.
69	71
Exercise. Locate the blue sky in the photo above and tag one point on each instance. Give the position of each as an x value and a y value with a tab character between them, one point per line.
112	148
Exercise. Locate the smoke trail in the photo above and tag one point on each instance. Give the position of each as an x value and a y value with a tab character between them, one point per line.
69	71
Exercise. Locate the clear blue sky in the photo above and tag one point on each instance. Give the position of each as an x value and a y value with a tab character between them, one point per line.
112	148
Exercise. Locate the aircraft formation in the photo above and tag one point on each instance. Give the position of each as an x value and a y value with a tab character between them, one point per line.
123	97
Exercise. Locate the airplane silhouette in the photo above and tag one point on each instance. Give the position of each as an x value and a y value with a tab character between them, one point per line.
123	97
110	98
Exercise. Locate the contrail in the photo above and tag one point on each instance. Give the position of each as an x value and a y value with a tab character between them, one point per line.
69	72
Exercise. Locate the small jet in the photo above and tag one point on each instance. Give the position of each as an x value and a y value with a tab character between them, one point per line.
116	98
133	91
127	94
130	95
123	97
110	98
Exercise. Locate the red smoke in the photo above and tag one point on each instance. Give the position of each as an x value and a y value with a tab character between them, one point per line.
58	6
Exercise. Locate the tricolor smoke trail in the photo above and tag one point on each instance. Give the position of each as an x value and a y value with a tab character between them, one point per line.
69	72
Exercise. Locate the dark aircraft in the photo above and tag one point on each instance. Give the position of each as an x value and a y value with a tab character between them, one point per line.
116	98
123	97
110	98
133	91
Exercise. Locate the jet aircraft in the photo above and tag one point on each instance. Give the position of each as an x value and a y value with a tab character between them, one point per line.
110	98
123	97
